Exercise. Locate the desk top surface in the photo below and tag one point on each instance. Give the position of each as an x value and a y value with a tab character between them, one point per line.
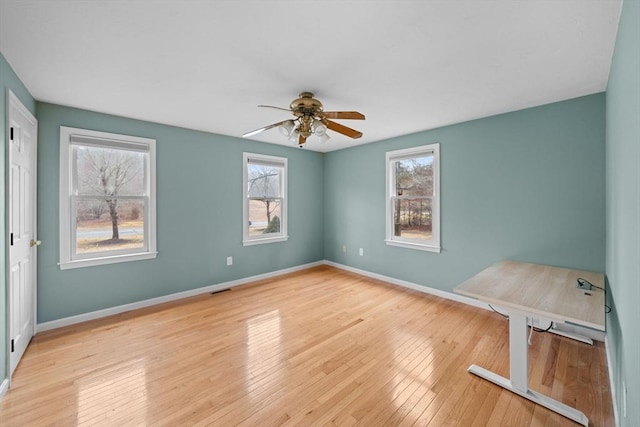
545	291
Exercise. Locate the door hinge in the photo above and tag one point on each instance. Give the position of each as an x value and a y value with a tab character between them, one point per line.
11	239
13	348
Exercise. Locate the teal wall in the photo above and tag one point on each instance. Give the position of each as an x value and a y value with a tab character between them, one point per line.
527	185
199	211
8	81
623	211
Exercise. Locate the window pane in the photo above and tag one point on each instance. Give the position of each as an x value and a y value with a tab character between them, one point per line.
264	216
414	177
109	225
412	218
263	181
107	171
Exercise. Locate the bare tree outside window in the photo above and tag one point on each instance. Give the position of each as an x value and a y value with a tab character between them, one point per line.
264	188
110	184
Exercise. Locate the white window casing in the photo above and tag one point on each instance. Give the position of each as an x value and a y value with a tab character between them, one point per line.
264	181
395	196
73	195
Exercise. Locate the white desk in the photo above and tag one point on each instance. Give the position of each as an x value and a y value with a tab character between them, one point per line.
533	290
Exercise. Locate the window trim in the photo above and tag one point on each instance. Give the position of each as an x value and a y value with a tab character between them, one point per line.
66	198
248	240
432	245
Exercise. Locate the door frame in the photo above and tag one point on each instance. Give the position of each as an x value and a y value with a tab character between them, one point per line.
12	101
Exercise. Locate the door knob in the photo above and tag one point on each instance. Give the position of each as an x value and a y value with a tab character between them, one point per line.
34	243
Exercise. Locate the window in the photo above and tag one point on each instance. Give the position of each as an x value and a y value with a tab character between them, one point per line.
107	198
265	199
413	200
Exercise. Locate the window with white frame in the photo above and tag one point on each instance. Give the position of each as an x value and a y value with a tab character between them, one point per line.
413	199
265	199
107	198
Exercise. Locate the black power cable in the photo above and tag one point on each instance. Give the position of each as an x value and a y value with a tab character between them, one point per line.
534	328
584	283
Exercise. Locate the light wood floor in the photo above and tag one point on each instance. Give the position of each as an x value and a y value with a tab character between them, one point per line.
318	347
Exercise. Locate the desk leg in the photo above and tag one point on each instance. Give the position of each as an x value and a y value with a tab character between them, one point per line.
519	371
518	352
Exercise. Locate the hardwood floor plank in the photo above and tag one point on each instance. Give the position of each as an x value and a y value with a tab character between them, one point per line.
315	347
327	383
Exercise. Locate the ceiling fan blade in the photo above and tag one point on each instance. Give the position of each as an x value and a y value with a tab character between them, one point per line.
337	127
302	139
277	108
351	115
257	131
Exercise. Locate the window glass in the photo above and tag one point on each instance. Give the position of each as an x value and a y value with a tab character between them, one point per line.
106	171
412	200
109	225
414	177
413	219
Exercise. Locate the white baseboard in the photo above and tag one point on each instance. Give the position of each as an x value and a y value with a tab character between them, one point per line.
4	386
574	329
612	384
72	320
410	285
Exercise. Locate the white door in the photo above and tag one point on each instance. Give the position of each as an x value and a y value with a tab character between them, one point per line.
23	129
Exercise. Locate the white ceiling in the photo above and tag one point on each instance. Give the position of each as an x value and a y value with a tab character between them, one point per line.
407	65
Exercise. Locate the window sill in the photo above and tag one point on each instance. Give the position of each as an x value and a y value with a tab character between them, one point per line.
90	262
409	245
264	240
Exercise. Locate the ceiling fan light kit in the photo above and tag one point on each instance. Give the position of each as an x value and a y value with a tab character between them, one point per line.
319	128
311	119
287	127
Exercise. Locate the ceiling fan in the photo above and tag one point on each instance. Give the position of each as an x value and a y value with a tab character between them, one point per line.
311	119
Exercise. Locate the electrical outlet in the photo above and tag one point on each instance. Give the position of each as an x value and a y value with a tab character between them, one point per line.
344	248
583	284
361	252
229	260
